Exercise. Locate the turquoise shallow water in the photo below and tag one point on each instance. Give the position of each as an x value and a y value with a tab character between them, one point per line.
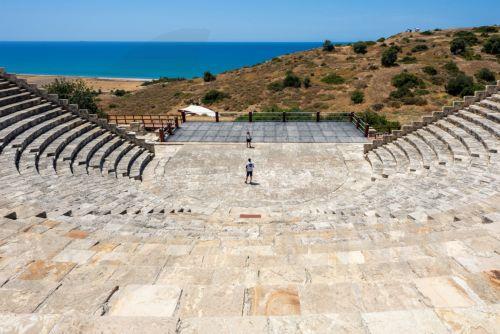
137	59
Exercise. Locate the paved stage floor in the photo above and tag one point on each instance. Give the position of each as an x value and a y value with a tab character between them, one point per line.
269	132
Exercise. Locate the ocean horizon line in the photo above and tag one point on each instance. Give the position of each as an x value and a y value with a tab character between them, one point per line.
153	41
140	60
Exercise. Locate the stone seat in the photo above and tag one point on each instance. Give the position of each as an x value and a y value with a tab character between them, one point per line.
478	132
124	163
400	157
457	148
111	162
428	156
491	126
485	112
490	104
87	151
14	98
388	161
440	149
9	133
11	108
414	157
476	150
7	90
23	114
105	150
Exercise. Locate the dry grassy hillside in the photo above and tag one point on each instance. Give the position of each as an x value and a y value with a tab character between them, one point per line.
248	88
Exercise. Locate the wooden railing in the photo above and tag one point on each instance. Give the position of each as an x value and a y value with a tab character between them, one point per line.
150	122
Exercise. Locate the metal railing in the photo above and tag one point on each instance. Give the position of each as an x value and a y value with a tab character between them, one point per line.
291	116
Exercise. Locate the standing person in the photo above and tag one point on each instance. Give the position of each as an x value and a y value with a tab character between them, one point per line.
249	140
249	168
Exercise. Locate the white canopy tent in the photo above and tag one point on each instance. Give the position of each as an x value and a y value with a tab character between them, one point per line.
198	110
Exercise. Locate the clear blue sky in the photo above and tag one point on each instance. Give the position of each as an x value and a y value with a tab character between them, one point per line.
233	20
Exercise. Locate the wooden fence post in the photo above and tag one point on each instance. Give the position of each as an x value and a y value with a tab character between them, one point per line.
161	133
183	113
284	116
217	117
250	116
367	129
317	116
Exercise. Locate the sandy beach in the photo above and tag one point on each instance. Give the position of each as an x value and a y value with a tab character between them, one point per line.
103	84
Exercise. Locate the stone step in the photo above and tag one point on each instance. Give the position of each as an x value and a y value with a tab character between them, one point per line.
487	113
10	132
6	90
478	132
490	104
10	108
441	150
414	157
492	127
22	95
23	114
473	146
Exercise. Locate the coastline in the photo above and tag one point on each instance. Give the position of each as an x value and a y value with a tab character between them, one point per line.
105	84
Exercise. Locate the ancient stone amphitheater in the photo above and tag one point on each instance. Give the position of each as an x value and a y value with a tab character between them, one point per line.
102	232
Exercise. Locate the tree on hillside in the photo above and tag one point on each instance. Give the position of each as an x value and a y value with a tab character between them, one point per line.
77	92
492	45
458	46
291	80
207	77
328	46
389	57
359	47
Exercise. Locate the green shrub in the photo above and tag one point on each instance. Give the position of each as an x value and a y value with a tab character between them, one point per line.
427	32
112	106
460	85
161	80
207	77
414	100
357	97
485	75
420	48
389	57
381	40
307	82
468	36
429	70
407	80
451	68
360	48
328	46
291	80
492	45
77	92
120	92
213	96
486	29
378	122
408	60
422	92
377	106
275	86
370	43
400	93
458	46
333	79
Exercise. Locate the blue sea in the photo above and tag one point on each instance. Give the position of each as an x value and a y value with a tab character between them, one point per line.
142	60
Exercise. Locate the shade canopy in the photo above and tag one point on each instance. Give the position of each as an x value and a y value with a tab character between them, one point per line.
198	110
